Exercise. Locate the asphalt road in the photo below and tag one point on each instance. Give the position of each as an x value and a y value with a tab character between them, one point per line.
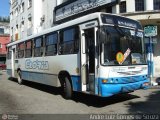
33	98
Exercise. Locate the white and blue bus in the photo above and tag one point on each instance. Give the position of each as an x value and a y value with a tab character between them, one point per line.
99	54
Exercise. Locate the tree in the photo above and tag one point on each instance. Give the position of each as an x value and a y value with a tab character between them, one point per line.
4	19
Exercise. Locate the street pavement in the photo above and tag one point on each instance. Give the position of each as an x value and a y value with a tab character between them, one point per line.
33	98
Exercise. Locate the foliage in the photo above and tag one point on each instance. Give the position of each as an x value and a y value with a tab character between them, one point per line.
4	19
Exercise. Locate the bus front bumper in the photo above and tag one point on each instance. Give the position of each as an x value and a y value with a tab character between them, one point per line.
107	90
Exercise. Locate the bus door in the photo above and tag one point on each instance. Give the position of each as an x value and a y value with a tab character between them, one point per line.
13	62
88	56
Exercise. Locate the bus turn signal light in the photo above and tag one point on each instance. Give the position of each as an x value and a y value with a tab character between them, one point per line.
104	81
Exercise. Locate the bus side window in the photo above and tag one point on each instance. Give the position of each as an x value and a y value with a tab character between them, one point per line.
51	44
69	41
38	47
28	51
20	50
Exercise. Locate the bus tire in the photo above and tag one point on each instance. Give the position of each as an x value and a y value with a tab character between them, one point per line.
67	89
20	81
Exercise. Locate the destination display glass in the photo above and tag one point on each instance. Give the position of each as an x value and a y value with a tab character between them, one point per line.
120	21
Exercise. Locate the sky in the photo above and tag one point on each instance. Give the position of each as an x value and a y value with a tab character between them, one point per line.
4	8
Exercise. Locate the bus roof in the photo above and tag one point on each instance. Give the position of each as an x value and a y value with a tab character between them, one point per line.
64	25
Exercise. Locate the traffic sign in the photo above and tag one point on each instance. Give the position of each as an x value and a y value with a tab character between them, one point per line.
150	31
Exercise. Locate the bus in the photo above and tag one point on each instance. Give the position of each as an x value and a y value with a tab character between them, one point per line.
100	54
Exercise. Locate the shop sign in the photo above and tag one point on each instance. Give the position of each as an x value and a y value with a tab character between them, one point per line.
77	7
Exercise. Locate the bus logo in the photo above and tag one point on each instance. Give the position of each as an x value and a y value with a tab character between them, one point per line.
40	65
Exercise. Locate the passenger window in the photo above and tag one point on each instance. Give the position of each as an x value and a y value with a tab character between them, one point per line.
69	41
20	50
38	47
28	51
51	44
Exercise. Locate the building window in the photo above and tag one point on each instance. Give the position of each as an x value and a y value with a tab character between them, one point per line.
20	50
29	3
13	1
51	44
22	26
11	15
139	5
28	51
122	7
16	33
69	41
12	34
29	22
156	4
17	28
1	31
38	47
16	11
109	9
22	7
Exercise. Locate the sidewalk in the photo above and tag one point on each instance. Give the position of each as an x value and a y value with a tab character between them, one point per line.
155	87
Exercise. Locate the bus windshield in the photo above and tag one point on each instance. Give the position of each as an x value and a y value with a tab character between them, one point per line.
128	42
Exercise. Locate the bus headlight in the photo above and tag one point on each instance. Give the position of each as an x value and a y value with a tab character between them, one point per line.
104	81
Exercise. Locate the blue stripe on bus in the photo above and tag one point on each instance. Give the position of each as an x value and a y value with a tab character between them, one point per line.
76	83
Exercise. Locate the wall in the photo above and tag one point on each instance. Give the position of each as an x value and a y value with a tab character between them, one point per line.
38	10
4	39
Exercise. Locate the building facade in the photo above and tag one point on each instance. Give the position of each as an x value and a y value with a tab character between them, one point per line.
4	28
30	17
4	39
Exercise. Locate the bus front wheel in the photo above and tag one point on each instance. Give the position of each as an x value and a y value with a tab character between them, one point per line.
20	81
67	89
